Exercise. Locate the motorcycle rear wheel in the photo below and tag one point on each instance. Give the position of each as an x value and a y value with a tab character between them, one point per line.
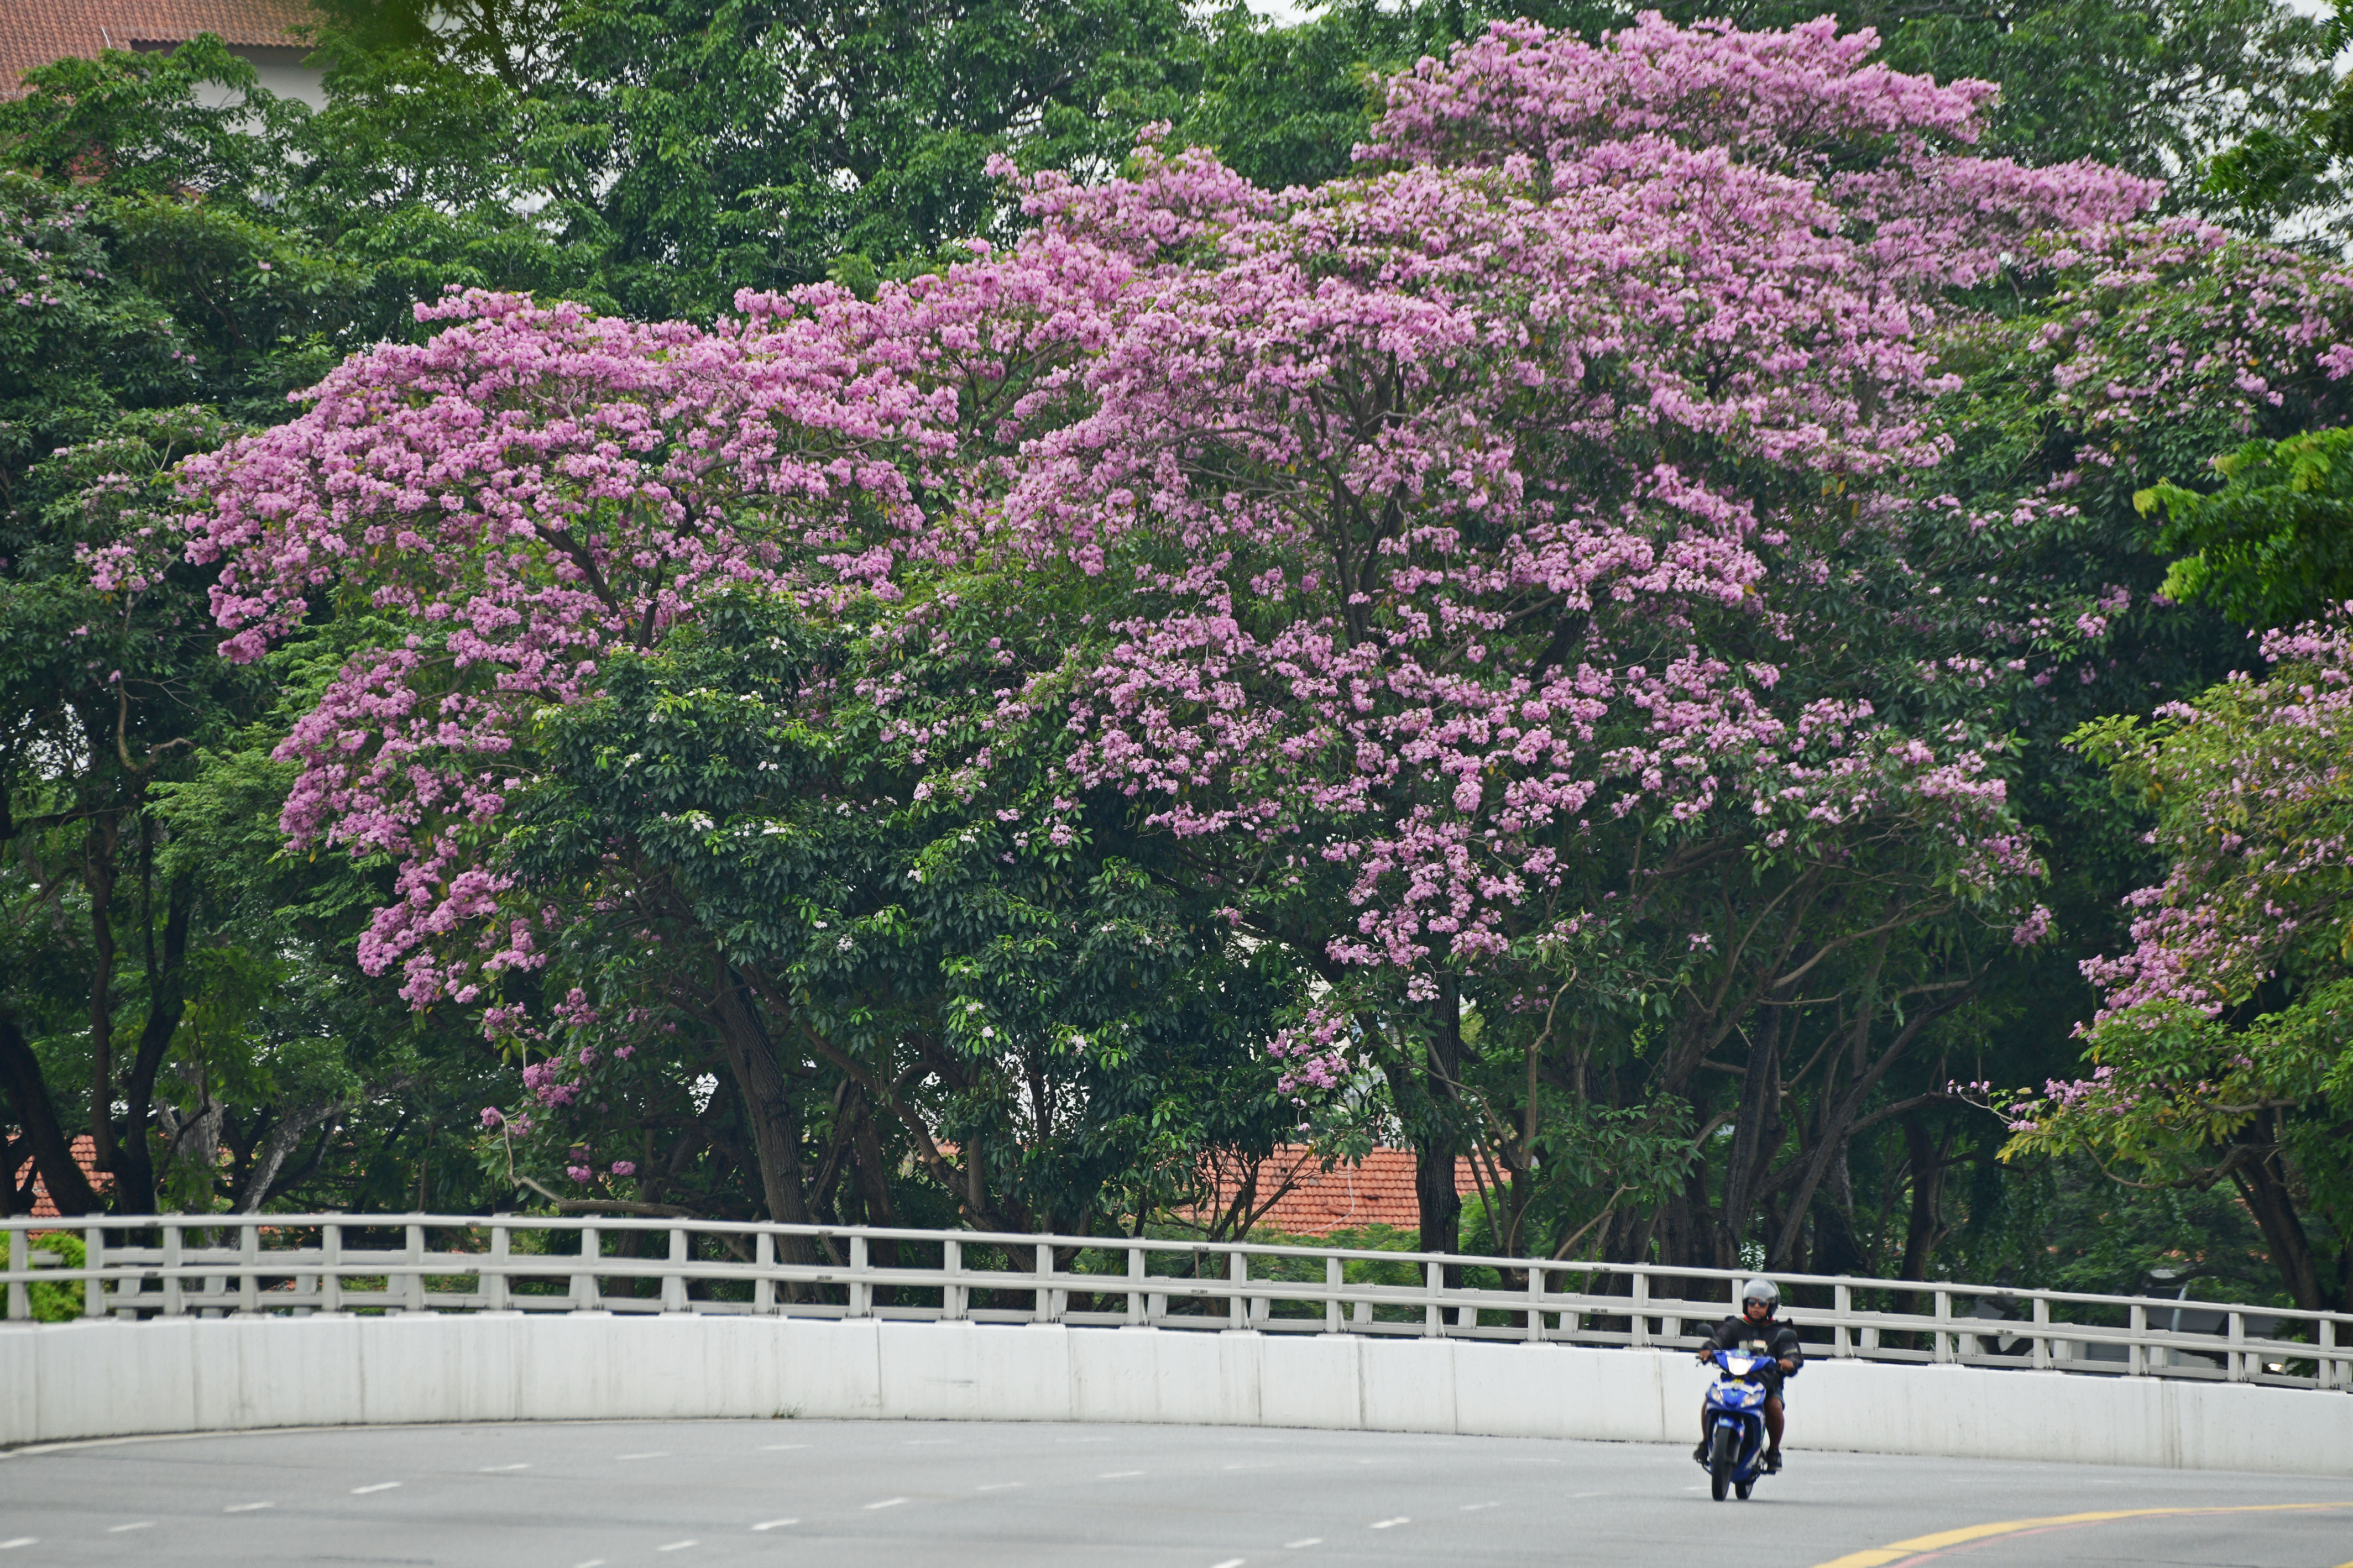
1721	1456
1742	1488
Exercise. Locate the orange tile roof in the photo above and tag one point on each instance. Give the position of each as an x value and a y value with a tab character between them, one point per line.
34	32
85	1155
1379	1191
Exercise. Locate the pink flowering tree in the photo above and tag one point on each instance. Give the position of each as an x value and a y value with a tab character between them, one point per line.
1469	510
1476	582
2220	1053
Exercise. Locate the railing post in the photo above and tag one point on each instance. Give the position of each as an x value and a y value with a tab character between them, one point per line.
1135	1296
764	1258
171	1270
331	1268
1042	1305
1841	1303
2136	1353
861	1294
1434	1318
587	1295
2324	1367
954	1299
1237	1307
248	1263
2238	1362
1944	1340
412	1252
495	1293
2042	1353
20	1259
1535	1302
1336	1279
1639	1320
673	1288
93	1257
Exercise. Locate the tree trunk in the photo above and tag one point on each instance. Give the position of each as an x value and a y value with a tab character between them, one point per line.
768	1106
98	876
37	1115
1755	1136
873	1177
2268	1199
1438	1142
167	999
1920	1235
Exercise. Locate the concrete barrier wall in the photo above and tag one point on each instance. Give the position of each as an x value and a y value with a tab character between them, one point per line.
111	1379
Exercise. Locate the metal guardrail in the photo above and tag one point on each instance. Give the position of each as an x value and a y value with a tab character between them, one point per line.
247	1265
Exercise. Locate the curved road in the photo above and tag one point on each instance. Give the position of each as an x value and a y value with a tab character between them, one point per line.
883	1494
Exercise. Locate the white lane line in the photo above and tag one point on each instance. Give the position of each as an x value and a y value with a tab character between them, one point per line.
997	1486
1574	1495
775	1523
1231	1563
246	1507
780	1447
1117	1475
1475	1506
379	1486
676	1546
656	1454
20	1541
1295	1545
119	1529
495	1470
886	1503
591	1562
1390	1523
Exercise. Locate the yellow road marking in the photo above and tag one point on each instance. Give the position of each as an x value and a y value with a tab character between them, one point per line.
1880	1556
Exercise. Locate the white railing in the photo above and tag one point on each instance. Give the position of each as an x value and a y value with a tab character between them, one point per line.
213	1265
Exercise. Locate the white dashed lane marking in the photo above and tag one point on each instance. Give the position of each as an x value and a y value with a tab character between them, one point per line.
1295	1545
1118	1475
379	1486
246	1507
1475	1506
676	1546
1231	1563
775	1523
494	1469
119	1529
20	1541
1390	1523
591	1562
886	1503
997	1487
780	1447
658	1454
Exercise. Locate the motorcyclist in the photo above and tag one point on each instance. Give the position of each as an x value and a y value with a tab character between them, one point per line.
1759	1332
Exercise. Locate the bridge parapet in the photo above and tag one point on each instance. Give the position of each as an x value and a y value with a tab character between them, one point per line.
207	1265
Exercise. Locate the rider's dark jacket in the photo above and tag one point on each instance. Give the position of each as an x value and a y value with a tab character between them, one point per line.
1772	1337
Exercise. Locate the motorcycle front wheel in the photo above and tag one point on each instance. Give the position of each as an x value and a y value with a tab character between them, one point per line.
1721	1458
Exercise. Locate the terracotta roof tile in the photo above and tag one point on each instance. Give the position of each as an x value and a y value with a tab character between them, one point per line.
85	1154
1379	1191
34	32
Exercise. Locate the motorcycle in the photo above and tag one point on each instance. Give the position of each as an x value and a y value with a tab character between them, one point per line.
1735	1424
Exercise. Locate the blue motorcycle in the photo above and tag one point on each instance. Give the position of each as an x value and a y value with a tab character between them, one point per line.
1735	1454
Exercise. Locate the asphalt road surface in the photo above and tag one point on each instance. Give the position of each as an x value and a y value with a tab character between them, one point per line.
887	1494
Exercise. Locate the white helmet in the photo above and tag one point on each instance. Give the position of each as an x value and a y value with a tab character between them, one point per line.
1761	1290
